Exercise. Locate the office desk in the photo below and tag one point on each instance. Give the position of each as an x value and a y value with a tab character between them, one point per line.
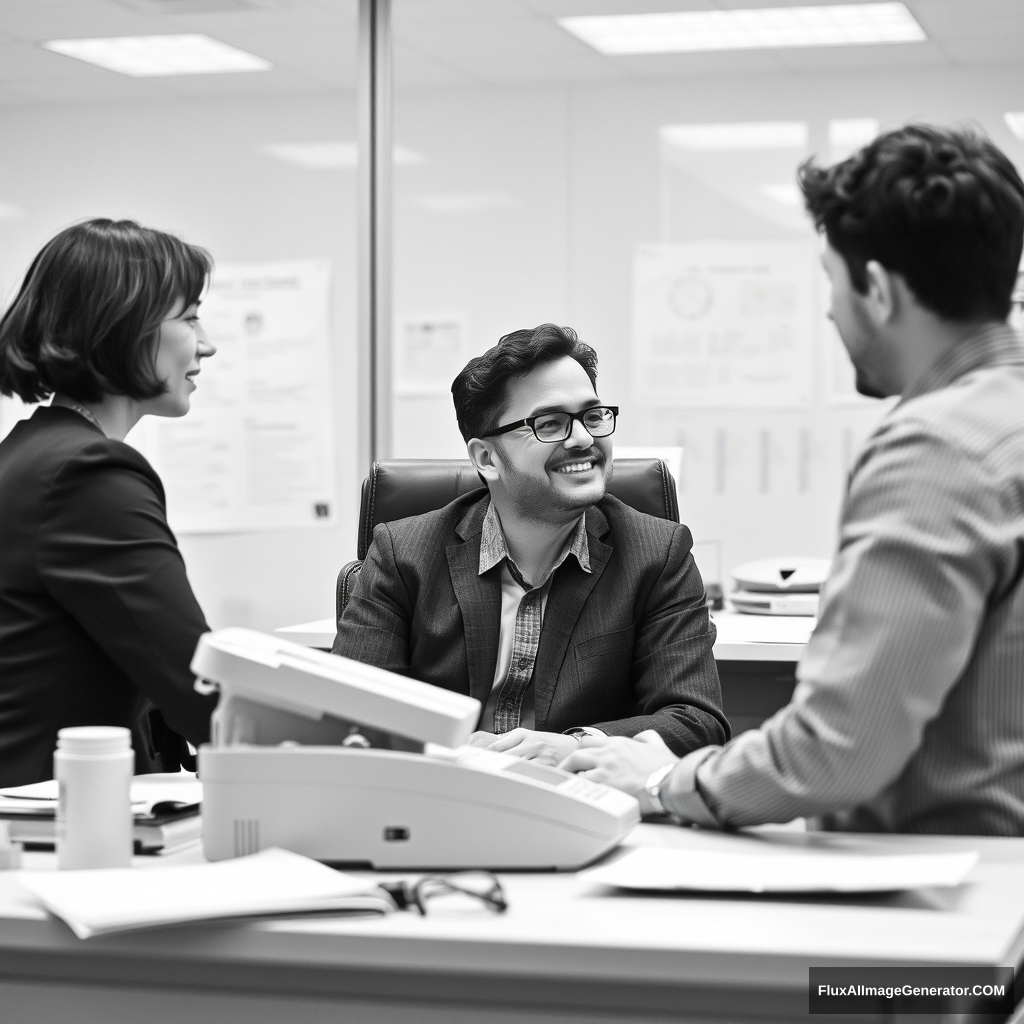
756	655
564	952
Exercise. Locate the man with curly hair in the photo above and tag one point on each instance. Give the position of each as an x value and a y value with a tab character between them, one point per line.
908	715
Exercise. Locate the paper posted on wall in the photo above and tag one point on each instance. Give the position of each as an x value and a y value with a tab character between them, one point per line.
256	451
724	324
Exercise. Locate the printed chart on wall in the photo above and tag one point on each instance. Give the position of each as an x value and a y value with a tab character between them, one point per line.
724	324
256	451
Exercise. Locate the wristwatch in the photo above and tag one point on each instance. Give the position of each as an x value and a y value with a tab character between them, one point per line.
579	731
652	787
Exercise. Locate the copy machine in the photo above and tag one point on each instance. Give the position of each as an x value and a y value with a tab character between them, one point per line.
348	763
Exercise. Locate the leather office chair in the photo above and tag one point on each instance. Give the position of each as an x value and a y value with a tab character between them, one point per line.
400	488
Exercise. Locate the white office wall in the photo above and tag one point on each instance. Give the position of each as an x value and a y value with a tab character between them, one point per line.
580	171
526	208
194	168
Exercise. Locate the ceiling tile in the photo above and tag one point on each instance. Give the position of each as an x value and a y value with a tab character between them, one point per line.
109	89
30	61
295	48
417	12
889	55
239	85
85	19
975	51
722	62
508	50
415	70
945	18
225	25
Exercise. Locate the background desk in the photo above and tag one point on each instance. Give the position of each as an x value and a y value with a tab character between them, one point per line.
756	655
564	952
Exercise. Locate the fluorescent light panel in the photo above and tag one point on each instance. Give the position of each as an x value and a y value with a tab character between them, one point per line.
328	155
766	27
737	135
1015	122
154	56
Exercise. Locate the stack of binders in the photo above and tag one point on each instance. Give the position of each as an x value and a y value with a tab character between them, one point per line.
165	807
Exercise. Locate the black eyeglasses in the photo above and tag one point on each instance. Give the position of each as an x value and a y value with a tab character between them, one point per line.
552	427
481	885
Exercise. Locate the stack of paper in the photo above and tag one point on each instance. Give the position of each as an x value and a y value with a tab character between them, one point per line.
270	882
807	870
165	806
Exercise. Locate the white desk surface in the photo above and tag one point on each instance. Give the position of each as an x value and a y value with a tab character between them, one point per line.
562	944
740	637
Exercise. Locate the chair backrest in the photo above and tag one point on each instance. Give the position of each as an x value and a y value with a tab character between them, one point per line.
399	488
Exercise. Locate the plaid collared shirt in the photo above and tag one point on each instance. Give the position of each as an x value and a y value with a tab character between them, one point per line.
522	619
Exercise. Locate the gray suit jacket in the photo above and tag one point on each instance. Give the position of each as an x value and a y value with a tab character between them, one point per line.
624	648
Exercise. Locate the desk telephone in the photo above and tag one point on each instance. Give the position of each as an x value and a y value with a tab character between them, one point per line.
344	762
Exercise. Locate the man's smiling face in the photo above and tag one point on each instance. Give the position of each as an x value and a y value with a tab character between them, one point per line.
552	479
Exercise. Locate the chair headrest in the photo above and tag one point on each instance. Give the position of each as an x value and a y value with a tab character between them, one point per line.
399	488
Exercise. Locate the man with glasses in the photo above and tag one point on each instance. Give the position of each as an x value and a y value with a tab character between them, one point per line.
564	611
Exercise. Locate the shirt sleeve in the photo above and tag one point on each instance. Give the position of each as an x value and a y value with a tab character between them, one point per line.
900	614
107	556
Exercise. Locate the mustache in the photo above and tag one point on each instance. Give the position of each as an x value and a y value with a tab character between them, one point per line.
594	454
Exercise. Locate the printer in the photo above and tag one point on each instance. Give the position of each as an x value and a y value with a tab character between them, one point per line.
348	763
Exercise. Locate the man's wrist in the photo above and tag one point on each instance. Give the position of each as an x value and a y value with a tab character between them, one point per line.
679	794
652	787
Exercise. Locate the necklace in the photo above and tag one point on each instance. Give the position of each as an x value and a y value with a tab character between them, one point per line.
85	412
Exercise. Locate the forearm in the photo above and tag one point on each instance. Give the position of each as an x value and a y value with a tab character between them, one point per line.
683	728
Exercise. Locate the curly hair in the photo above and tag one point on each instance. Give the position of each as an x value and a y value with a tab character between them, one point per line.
942	207
479	391
86	319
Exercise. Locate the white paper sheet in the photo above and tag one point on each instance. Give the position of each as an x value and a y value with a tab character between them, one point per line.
146	791
256	451
647	867
270	882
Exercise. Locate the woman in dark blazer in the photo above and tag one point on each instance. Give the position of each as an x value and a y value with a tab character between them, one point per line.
97	618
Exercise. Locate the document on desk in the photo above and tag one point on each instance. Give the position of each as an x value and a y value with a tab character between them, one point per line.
271	882
805	871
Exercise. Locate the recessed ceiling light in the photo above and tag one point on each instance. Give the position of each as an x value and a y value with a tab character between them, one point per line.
683	31
785	194
328	155
152	56
737	135
1015	122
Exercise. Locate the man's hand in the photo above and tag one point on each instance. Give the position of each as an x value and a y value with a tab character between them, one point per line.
543	747
624	763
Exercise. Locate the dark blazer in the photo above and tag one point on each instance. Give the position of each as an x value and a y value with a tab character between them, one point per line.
97	619
624	648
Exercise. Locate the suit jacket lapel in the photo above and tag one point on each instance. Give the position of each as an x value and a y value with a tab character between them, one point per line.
479	600
570	589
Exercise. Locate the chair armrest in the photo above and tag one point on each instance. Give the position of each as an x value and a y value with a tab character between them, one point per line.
346	581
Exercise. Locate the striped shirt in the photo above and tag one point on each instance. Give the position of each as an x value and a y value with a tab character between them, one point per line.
908	715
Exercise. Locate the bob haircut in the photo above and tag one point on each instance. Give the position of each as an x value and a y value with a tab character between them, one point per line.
86	319
942	207
479	391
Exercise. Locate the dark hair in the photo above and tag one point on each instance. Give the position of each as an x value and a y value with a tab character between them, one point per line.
944	208
480	389
85	320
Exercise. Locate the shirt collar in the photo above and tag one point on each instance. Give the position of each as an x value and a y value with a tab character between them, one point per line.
494	550
993	345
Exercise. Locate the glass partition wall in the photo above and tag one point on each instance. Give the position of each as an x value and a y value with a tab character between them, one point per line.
649	201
